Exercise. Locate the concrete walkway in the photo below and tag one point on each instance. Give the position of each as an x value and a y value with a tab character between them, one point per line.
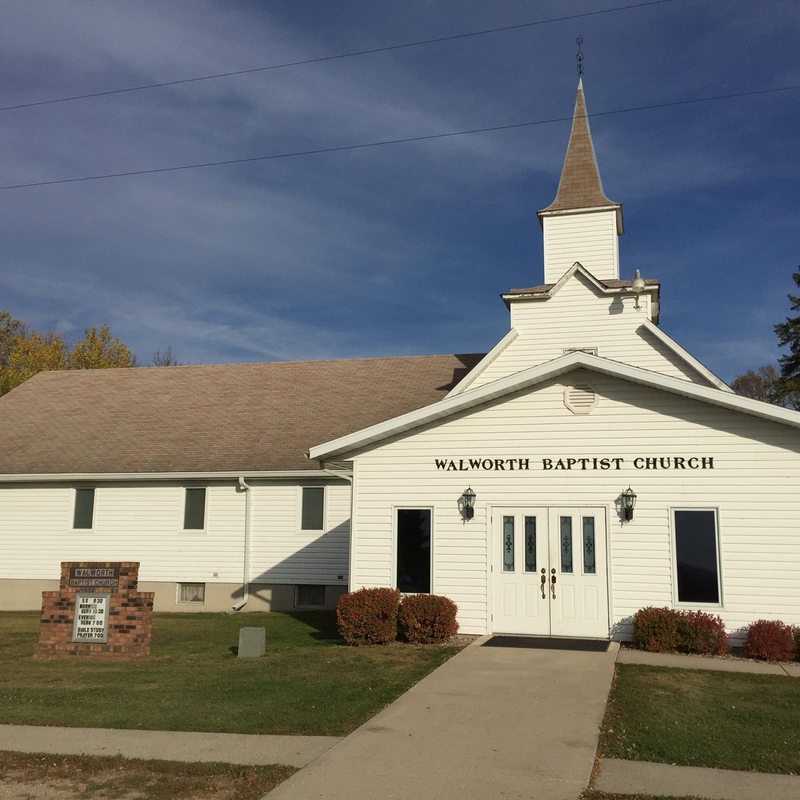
230	748
490	723
628	655
641	777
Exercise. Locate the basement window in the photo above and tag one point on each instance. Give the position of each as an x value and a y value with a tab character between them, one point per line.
194	593
697	556
194	509
309	596
83	517
414	550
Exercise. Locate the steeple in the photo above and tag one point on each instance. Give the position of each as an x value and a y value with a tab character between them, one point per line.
581	224
580	185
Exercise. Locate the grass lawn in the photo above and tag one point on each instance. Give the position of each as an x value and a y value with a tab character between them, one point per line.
24	775
704	719
307	683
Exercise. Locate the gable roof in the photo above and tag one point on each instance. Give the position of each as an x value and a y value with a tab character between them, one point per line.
241	418
580	185
603	285
538	374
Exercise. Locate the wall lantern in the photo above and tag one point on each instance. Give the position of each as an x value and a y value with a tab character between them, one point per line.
466	504
628	502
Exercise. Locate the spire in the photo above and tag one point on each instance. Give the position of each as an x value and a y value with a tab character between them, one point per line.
580	185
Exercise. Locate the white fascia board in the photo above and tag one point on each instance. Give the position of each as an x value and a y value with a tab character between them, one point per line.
676	348
576	268
542	372
102	477
467	380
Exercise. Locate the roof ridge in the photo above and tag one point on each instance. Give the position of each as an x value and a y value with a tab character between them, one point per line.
228	364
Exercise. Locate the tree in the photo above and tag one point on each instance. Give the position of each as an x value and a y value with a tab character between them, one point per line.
24	352
10	329
29	354
788	333
760	384
100	350
164	358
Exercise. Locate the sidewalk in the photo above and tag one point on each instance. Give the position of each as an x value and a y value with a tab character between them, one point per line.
628	655
490	723
641	777
230	748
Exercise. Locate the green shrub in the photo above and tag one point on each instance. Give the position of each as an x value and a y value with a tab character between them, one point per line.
368	616
770	640
427	618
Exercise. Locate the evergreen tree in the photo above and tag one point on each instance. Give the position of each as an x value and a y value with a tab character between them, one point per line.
788	334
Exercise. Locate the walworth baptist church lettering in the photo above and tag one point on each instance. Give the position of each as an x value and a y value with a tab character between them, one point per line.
595	463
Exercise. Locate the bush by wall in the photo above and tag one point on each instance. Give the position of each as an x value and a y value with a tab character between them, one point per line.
796	632
427	618
702	633
656	629
770	640
665	630
368	616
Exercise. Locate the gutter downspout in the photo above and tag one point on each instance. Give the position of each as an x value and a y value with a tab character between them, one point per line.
349	478
243	486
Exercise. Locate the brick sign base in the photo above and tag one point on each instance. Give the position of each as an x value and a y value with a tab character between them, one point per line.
130	612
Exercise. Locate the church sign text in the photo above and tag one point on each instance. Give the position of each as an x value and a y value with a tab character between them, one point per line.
573	464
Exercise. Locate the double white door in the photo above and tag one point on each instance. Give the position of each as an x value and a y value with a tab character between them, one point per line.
549	572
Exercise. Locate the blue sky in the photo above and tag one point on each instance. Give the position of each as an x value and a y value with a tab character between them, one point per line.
402	249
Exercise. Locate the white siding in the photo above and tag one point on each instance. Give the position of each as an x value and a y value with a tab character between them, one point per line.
576	317
754	485
590	238
282	553
143	522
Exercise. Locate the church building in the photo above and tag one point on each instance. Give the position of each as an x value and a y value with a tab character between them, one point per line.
586	466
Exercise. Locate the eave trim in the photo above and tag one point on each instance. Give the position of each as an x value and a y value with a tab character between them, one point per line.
542	372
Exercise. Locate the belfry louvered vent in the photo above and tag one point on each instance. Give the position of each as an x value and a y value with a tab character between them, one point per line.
580	399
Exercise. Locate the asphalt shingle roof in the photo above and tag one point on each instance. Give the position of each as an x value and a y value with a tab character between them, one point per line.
213	418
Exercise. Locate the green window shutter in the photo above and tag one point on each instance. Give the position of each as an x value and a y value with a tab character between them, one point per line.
194	510
84	509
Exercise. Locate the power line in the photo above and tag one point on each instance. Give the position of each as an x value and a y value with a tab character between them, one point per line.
384	142
334	57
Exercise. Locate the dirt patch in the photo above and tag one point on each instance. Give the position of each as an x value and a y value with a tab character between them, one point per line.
26	776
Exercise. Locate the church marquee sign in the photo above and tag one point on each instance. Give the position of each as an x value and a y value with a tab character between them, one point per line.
573	464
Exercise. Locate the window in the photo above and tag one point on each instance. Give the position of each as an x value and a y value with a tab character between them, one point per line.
313	512
508	544
84	508
696	556
191	593
566	544
414	550
194	509
309	596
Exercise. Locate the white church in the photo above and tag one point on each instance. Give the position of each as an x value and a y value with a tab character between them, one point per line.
585	467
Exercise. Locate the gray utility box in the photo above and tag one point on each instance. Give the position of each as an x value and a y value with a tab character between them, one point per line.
252	642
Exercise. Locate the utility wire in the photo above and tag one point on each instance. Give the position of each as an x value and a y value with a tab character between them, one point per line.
334	57
384	142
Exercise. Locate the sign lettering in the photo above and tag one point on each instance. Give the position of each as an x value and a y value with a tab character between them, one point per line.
91	618
573	464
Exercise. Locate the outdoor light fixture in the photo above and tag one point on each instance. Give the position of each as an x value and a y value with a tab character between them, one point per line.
628	502
637	287
466	504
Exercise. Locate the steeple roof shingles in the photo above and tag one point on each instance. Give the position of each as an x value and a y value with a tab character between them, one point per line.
580	185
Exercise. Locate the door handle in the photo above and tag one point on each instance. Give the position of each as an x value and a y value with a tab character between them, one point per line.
544	583
553	583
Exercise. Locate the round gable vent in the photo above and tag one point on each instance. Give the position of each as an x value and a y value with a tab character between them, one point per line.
580	399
